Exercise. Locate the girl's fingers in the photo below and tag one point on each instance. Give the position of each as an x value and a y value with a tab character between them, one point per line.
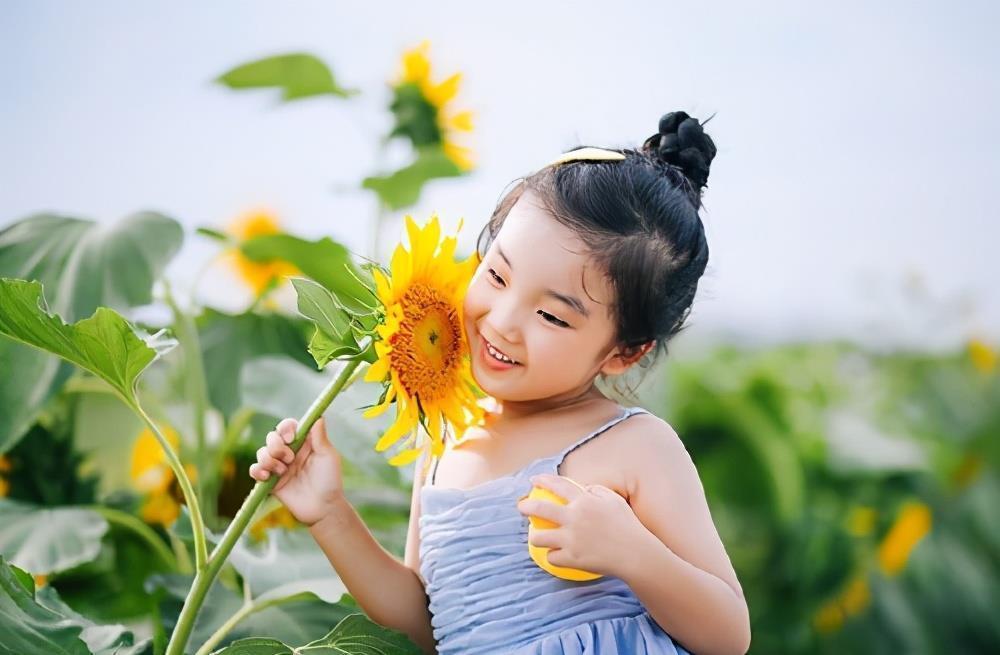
268	463
317	436
286	429
258	473
278	448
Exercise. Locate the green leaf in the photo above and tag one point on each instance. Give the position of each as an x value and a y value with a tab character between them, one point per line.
229	340
215	235
354	635
83	265
402	188
288	562
324	261
46	541
317	304
39	622
280	387
298	75
100	639
104	344
255	646
333	336
29	627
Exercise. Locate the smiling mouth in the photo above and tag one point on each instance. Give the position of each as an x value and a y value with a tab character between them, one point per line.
498	355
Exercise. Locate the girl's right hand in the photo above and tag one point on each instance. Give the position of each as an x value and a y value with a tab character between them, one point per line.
310	483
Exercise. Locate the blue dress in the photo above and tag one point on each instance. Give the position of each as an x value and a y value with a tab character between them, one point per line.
488	596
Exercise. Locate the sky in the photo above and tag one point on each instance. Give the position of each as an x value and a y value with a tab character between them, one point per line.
857	142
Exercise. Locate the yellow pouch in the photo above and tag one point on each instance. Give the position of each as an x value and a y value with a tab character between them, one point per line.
540	554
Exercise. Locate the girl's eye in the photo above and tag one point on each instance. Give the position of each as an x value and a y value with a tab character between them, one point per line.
552	319
496	277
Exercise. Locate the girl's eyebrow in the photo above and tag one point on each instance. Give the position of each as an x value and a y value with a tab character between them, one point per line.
572	301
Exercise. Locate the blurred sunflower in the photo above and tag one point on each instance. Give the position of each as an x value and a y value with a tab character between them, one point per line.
423	358
258	276
151	474
4	468
423	108
851	600
911	525
279	517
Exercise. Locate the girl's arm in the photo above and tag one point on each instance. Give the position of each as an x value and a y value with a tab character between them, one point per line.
390	592
680	570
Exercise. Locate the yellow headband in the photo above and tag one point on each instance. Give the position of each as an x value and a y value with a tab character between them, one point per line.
592	154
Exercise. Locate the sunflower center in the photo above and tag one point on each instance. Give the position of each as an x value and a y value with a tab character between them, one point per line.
426	349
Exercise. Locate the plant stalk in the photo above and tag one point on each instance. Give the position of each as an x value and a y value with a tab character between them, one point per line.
205	576
197	525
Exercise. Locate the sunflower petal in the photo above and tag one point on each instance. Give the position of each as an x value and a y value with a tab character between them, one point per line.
404	423
377	371
378	409
405	457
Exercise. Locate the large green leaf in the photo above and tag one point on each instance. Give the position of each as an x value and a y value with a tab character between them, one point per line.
402	188
39	622
298	75
304	618
280	387
83	265
44	541
229	340
354	635
288	562
104	344
324	261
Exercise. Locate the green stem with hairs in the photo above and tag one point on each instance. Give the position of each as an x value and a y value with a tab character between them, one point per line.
205	576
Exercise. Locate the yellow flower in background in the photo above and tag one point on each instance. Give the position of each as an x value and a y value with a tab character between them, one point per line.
444	122
151	474
852	600
257	275
983	357
4	468
912	523
422	351
279	517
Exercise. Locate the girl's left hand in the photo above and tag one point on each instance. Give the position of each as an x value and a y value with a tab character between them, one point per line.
597	528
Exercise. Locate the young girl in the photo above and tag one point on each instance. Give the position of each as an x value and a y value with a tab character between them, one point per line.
589	265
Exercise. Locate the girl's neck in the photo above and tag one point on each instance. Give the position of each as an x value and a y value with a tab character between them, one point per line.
524	409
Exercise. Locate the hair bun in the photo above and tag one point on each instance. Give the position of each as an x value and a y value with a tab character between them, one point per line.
682	142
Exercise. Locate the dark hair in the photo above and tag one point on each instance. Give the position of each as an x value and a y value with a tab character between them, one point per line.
639	220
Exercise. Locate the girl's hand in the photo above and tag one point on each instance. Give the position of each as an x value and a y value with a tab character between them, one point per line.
311	483
597	528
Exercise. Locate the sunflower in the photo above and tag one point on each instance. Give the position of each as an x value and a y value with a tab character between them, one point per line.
423	356
151	474
423	110
257	275
912	523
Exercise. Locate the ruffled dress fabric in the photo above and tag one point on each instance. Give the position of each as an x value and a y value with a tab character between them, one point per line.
488	596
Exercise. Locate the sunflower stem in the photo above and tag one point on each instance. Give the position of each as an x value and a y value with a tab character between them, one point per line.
197	524
205	576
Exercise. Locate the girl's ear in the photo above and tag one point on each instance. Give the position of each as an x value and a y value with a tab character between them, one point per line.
624	358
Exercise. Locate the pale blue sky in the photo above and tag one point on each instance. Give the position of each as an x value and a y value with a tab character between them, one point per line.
857	141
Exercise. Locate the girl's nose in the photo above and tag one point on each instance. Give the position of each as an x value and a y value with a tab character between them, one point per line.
503	320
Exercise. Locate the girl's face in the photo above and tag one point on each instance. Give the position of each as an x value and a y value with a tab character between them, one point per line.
527	301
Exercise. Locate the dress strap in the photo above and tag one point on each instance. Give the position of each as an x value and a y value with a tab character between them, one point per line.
626	412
